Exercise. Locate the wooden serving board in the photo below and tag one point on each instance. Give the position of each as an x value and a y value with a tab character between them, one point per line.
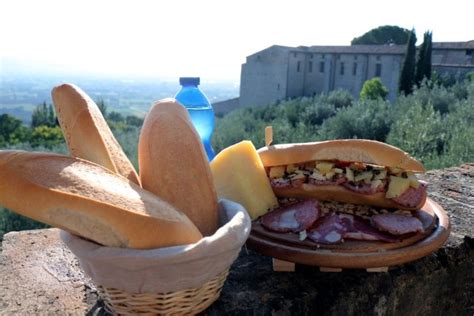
353	253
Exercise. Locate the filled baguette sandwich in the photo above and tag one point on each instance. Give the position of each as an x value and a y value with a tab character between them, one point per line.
339	190
86	132
174	166
90	201
351	171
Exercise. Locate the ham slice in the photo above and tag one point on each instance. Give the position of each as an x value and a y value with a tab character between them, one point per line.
292	218
363	188
397	224
329	229
336	181
412	197
280	183
359	229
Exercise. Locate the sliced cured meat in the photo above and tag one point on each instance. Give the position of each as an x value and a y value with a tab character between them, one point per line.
297	183
397	224
280	183
337	181
412	197
329	229
295	217
363	187
359	229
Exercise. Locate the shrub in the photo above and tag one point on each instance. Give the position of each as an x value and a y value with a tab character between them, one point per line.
369	119
373	89
418	131
10	221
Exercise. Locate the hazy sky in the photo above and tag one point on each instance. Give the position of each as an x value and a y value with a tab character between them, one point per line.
206	38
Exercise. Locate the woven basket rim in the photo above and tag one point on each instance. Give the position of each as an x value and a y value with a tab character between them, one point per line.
187	301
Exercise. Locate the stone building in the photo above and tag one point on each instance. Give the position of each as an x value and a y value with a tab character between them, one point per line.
281	72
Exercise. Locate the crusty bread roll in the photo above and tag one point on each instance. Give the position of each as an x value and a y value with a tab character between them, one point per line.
174	166
90	201
360	150
341	194
86	132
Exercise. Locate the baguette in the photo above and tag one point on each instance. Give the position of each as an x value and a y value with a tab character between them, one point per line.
86	132
90	201
360	150
174	166
325	171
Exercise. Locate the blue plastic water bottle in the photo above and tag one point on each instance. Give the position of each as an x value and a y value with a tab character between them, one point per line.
199	109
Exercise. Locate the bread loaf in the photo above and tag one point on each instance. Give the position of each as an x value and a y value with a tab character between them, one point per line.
361	150
90	201
86	132
174	166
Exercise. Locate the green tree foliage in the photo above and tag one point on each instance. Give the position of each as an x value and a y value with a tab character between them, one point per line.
368	119
418	130
12	130
43	115
407	74
373	89
102	107
387	34
46	136
423	64
10	221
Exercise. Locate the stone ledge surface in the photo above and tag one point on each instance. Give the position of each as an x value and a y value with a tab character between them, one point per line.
38	275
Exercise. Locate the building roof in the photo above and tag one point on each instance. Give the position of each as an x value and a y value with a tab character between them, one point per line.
366	49
454	45
360	49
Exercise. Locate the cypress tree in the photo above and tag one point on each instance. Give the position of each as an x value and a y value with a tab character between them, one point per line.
406	80
420	63
423	64
428	51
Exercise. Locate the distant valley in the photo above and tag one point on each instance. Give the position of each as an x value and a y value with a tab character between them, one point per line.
20	94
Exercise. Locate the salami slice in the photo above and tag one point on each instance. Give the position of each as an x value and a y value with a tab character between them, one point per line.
359	229
412	197
292	218
397	224
329	229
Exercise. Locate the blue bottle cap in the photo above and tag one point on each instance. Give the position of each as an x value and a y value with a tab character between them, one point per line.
188	81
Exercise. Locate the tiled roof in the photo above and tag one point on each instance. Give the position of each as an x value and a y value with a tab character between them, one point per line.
360	49
453	45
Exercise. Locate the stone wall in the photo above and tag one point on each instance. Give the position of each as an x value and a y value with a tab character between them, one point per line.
38	275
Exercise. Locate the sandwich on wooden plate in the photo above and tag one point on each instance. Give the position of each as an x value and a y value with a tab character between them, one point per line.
331	191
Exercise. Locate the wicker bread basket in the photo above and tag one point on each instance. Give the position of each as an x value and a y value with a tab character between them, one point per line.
181	280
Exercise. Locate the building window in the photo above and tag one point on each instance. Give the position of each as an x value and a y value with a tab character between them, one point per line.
378	70
354	69
342	69
321	66
378	58
310	66
355	57
278	87
298	66
294	54
469	52
322	56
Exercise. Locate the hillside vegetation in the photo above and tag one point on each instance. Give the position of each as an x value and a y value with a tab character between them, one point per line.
435	124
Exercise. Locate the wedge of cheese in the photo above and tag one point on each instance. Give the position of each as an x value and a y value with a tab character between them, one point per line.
239	175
